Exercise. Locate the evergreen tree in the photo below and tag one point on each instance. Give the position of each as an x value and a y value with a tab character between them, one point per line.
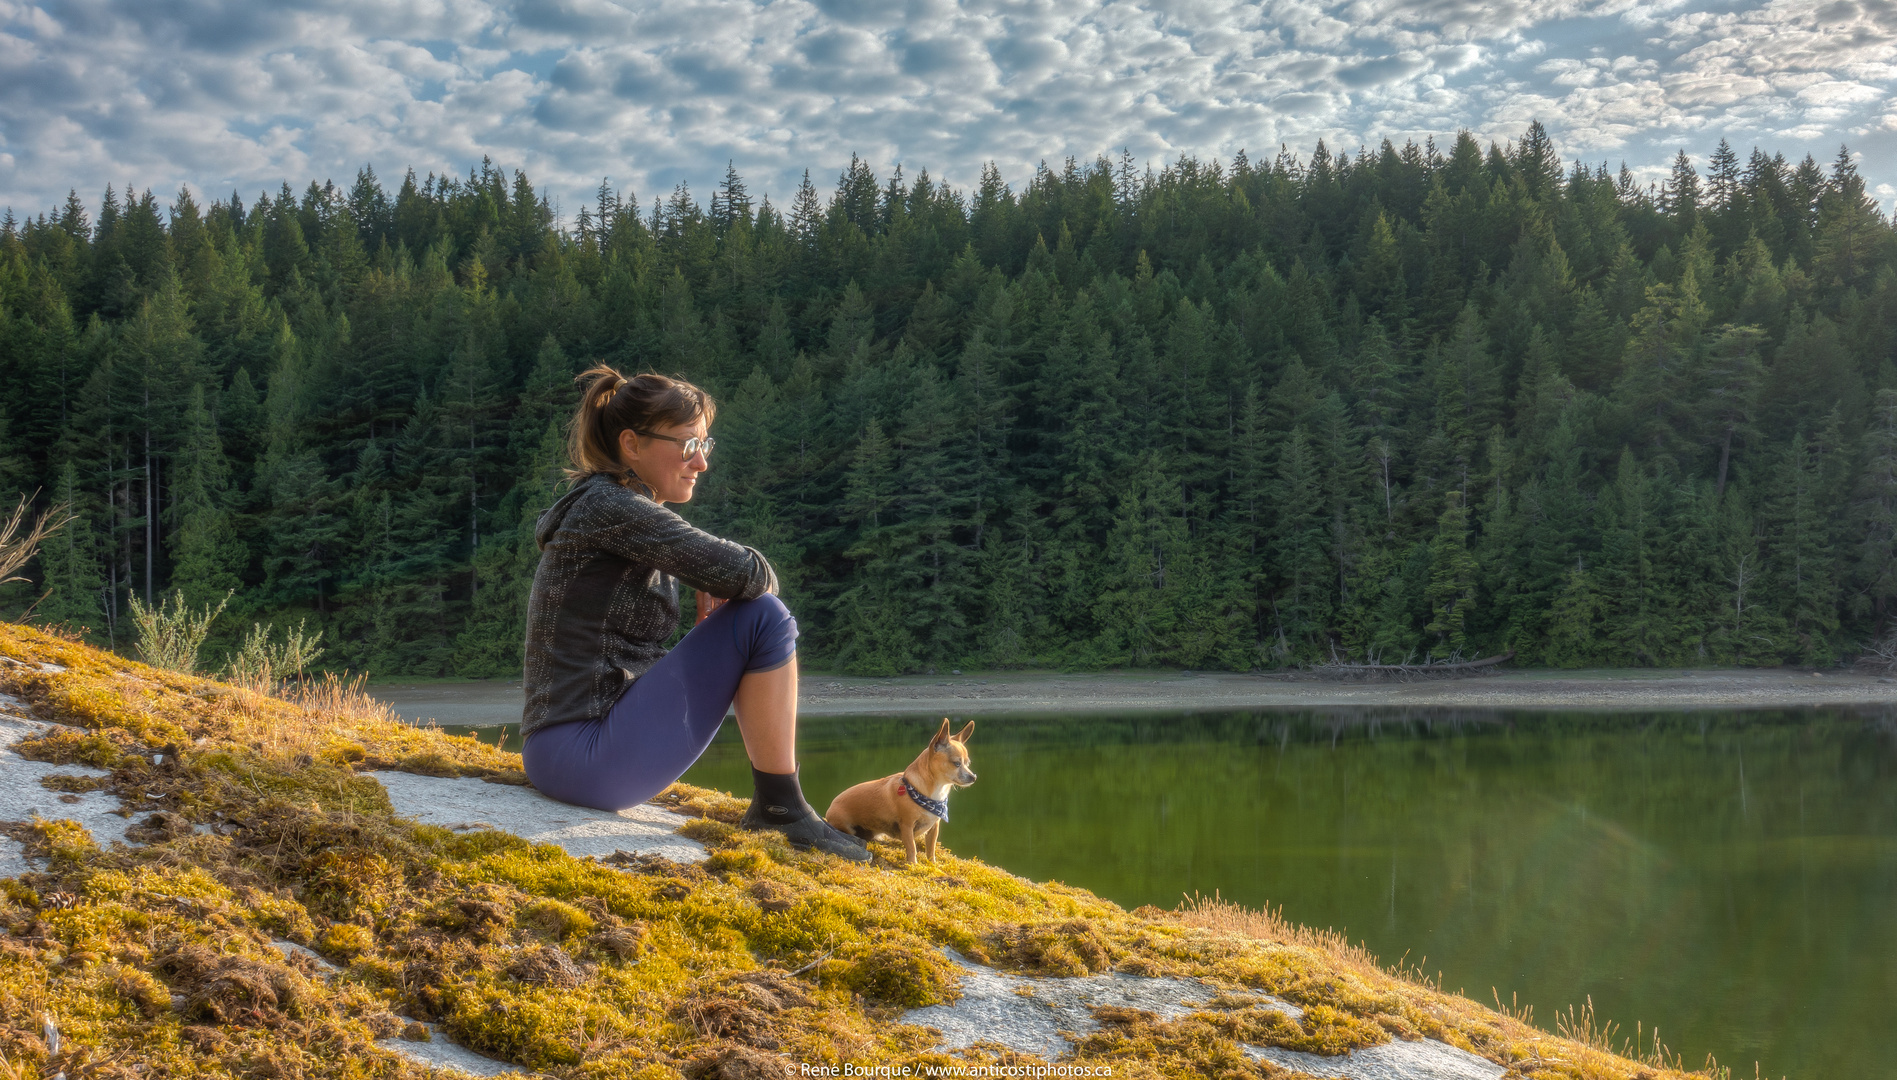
496	632
1723	392
1801	555
1138	606
1301	604
208	557
1876	563
1849	229
1452	578
69	562
871	635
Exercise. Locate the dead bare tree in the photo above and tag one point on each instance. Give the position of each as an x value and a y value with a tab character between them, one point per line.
17	548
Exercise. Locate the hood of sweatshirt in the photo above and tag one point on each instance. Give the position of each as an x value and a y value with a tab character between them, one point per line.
554	516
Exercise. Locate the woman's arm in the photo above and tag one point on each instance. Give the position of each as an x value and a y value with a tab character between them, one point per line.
644	532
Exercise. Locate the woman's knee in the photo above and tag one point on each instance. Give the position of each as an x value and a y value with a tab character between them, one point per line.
770	605
765	630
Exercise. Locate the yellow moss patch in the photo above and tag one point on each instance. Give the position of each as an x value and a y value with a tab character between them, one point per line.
1070	947
346	941
554	920
896	971
68	747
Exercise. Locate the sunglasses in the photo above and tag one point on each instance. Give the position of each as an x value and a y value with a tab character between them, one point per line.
693	445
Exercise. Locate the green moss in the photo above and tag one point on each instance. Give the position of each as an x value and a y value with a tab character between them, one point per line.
897	972
554	920
62	840
1070	947
67	747
537	1028
431	763
710	832
69	783
748	862
346	941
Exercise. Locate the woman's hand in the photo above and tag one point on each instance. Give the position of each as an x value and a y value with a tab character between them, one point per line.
707	604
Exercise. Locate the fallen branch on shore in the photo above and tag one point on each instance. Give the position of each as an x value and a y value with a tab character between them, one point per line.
1345	672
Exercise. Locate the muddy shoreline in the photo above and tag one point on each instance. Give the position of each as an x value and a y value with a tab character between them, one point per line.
498	702
839	696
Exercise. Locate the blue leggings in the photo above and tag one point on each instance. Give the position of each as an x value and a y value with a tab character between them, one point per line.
666	718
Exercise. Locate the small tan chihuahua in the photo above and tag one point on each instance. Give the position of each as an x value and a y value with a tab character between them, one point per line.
912	803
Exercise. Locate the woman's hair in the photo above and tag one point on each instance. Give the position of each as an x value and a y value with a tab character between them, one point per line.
610	403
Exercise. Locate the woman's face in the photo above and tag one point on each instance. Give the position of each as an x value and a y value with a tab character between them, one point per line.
663	465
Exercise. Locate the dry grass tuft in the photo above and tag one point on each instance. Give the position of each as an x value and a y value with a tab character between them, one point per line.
1269	924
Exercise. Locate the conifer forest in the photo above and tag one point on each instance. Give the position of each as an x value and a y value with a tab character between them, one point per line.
1412	403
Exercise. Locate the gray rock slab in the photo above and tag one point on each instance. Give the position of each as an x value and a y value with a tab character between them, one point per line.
1033	1016
440	1054
463	803
22	797
1425	1059
1030	1014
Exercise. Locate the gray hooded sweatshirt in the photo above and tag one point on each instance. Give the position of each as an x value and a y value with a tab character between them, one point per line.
605	597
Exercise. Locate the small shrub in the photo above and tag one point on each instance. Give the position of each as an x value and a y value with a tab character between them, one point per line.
170	635
259	661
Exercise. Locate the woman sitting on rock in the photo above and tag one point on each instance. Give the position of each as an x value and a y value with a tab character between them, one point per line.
612	718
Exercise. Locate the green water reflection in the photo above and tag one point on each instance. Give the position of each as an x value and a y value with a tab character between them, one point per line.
1731	878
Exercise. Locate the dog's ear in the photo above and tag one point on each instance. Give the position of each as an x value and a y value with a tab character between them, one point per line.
941	734
967	730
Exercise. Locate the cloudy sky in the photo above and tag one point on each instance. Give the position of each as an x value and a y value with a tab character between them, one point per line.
243	94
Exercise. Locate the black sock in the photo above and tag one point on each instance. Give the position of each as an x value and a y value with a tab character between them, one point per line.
778	798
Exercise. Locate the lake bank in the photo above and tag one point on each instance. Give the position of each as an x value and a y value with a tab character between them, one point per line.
1633	689
481	703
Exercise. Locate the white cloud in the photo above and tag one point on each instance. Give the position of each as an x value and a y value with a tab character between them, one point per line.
232	92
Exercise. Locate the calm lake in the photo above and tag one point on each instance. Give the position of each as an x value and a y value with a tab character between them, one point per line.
1728	877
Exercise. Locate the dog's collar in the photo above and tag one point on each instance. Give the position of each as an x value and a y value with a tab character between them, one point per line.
938	807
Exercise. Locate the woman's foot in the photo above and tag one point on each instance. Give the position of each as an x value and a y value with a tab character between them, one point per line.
777	802
808	832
